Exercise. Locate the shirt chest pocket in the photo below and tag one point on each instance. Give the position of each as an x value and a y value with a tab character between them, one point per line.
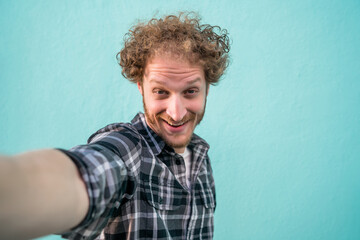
164	196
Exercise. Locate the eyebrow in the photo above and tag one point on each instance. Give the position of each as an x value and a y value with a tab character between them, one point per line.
164	82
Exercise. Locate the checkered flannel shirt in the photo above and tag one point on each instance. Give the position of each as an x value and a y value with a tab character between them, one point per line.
137	186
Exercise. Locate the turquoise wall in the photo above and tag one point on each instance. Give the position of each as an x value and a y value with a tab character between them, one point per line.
283	125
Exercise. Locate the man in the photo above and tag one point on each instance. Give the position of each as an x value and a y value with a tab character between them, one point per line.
148	179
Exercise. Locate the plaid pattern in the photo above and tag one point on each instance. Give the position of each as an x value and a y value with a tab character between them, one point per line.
137	186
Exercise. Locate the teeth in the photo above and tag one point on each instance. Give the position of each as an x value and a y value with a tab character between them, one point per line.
175	125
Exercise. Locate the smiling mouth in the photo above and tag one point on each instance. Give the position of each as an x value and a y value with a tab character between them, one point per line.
175	125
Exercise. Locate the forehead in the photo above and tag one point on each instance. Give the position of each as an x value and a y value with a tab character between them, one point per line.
167	68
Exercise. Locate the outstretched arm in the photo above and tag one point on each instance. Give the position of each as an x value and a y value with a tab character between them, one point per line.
41	192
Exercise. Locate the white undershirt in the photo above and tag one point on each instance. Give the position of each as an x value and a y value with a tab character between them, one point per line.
187	159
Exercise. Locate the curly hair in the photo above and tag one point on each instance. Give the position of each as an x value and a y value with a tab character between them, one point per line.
182	36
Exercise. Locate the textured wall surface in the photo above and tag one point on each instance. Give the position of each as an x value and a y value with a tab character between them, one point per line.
283	125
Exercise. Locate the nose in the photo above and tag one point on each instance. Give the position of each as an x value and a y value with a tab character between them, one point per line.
176	108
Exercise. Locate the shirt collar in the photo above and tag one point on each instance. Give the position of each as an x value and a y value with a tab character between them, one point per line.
155	142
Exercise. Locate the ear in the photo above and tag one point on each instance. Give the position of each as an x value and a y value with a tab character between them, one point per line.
207	89
140	88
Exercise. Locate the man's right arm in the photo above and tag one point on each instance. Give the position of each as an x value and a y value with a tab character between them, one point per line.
41	192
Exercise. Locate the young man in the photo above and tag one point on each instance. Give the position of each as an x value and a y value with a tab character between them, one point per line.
148	179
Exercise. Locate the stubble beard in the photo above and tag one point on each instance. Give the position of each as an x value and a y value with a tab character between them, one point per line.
153	123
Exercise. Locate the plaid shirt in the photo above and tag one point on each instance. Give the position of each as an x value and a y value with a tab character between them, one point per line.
137	186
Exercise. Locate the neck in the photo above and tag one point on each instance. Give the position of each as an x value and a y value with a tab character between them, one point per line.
180	150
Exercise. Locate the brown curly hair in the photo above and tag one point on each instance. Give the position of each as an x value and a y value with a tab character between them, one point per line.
181	36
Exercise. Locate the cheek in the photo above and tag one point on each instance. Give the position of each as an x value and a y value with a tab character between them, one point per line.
153	106
196	106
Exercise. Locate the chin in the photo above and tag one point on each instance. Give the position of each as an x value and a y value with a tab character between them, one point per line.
179	140
177	144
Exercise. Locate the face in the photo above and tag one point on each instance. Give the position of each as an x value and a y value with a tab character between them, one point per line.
174	96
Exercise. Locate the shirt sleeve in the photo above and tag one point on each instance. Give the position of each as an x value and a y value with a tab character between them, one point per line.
107	179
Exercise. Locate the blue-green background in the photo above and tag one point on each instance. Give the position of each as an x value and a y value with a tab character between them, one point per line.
283	124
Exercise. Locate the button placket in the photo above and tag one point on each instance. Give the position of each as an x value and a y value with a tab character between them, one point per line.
179	169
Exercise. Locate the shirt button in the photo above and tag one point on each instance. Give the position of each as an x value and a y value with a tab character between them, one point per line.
178	162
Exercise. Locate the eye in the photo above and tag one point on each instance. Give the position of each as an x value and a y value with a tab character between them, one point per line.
160	92
191	92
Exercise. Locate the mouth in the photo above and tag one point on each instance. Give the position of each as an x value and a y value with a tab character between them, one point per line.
175	125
